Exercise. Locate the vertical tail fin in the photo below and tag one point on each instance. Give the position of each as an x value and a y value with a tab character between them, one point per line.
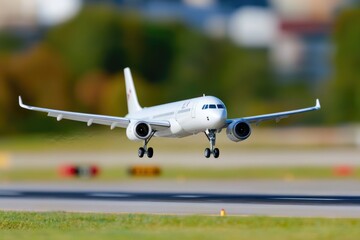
132	100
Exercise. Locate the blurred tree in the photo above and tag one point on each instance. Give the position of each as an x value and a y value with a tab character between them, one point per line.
4	100
9	43
89	90
36	70
106	39
38	75
158	51
90	41
345	90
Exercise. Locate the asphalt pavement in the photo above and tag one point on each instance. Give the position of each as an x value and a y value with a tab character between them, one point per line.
268	198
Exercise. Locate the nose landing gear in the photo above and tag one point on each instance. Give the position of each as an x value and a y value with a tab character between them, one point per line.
211	135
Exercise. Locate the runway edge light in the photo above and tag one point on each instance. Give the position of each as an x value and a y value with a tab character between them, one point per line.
4	160
222	213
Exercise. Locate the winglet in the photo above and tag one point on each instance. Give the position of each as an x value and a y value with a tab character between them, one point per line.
317	106
22	104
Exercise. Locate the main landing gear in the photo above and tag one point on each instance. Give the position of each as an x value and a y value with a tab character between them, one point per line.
211	135
145	150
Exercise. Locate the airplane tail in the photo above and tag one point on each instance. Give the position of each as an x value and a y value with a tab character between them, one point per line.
132	100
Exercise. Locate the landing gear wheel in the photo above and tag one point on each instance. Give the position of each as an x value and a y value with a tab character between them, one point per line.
150	152
207	152
216	153
145	150
211	135
141	152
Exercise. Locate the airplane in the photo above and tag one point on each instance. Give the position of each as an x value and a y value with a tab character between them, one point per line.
205	114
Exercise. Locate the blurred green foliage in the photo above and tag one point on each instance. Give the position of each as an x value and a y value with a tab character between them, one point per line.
78	66
345	88
9	43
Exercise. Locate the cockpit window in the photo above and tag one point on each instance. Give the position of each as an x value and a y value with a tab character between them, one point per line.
213	106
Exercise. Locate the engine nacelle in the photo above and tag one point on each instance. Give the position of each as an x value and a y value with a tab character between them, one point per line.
238	131
137	131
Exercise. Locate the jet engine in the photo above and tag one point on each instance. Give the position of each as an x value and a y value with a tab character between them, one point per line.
238	131
138	131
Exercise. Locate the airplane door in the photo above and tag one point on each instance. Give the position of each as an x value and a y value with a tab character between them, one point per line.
193	111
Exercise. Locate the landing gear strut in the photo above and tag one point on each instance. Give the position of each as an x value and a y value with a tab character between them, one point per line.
211	135
145	150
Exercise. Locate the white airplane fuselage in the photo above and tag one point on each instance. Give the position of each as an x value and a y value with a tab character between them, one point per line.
186	117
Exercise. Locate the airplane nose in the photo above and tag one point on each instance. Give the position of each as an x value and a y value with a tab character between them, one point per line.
224	114
217	119
223	117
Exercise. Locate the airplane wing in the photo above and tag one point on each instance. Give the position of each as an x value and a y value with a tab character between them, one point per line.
93	118
276	116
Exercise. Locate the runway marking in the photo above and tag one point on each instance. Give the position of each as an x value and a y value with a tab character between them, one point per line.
9	193
187	196
109	195
307	199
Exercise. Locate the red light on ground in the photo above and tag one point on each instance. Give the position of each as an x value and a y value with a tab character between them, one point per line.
343	171
79	171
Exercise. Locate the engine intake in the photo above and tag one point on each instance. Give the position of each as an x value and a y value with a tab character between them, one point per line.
138	131
238	131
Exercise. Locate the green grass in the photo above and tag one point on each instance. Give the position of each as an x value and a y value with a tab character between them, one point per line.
119	174
59	225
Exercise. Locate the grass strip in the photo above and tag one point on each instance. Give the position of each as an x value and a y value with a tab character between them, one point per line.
60	225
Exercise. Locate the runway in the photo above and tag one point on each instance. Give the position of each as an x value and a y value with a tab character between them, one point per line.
185	197
268	198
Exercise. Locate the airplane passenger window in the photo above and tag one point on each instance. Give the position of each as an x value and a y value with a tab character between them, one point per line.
212	106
